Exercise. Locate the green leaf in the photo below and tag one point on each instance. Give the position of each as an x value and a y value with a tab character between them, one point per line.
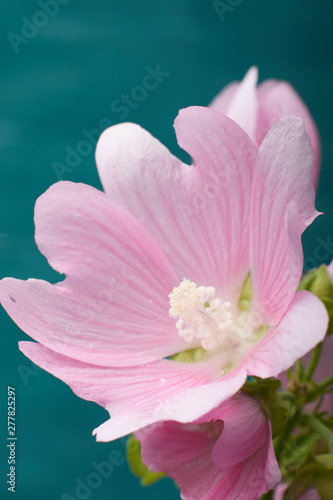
266	393
150	478
137	467
326	460
318	425
318	282
298	449
328	303
315	473
266	387
278	419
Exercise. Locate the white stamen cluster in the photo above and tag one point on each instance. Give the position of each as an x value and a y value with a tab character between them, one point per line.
200	316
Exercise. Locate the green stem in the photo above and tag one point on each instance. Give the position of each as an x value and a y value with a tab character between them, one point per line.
281	440
299	370
325	383
290	373
287	396
311	368
320	428
318	405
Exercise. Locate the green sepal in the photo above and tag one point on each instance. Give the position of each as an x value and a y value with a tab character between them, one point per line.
137	467
278	416
317	473
328	303
326	460
190	356
319	283
266	393
245	301
298	449
246	295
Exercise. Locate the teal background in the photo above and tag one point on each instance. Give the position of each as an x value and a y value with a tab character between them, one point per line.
64	80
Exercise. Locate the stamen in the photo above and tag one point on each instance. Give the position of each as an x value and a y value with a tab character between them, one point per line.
200	316
213	327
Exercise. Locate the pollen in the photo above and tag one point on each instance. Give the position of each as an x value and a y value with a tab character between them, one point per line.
202	318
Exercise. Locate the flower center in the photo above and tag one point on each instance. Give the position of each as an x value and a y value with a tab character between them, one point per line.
205	320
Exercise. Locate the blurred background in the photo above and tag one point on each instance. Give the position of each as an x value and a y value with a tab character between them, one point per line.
65	66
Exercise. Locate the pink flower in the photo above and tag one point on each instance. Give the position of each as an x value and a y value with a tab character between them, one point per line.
311	494
256	109
156	265
227	453
279	491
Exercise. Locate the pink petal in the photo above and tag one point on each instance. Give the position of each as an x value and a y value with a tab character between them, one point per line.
224	156
282	206
113	307
311	494
199	400
243	107
239	102
279	491
277	99
186	453
222	101
140	173
243	434
199	218
183	453
303	326
257	109
131	395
